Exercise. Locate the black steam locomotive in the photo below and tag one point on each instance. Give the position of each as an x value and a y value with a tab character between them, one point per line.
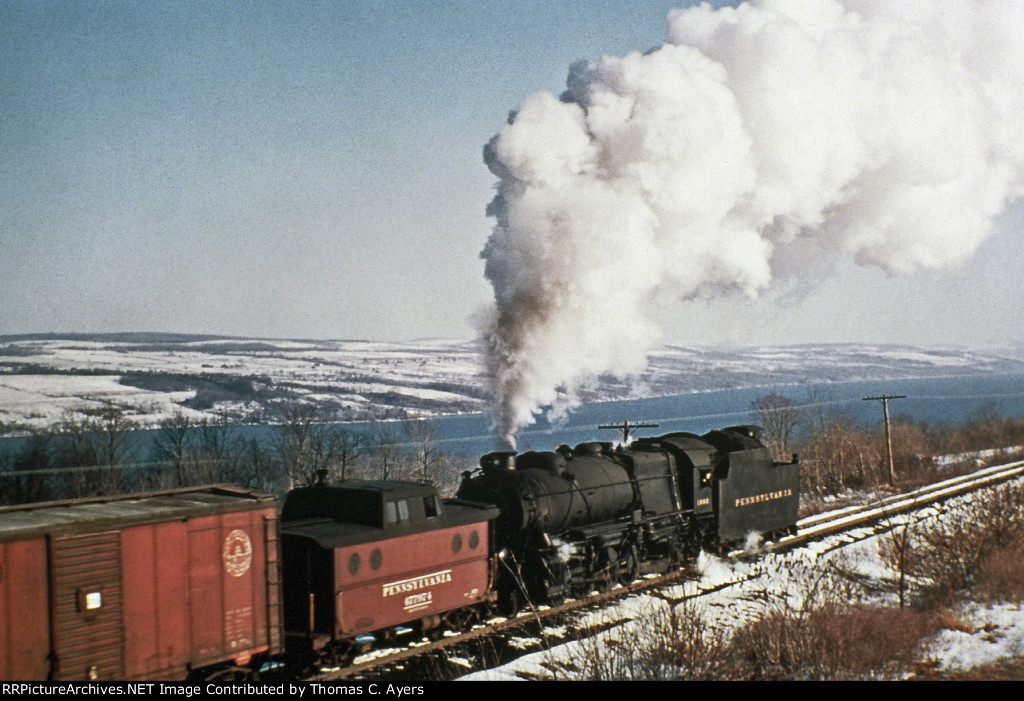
595	515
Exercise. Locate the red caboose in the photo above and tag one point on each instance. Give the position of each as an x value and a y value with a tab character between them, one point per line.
147	586
366	556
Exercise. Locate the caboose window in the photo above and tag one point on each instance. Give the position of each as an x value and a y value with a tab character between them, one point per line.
430	506
395	511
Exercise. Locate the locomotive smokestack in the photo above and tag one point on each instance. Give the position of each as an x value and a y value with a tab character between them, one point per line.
502	460
760	142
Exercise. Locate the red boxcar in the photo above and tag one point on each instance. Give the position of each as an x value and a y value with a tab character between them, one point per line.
149	586
366	556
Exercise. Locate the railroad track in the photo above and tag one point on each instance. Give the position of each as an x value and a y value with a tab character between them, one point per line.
532	623
831	522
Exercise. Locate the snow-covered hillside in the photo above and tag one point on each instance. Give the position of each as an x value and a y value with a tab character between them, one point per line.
47	379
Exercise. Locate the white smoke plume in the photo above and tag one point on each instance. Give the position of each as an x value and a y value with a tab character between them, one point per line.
758	141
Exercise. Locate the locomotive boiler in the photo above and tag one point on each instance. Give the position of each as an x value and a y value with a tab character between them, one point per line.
587	517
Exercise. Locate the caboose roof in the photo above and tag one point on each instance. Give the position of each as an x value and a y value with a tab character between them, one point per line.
357	501
353	512
328	533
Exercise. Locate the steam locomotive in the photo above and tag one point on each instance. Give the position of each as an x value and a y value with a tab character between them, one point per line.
595	515
216	581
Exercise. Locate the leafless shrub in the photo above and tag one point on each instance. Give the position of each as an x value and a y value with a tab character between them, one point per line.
946	618
838	454
816	627
830	642
820	630
1001	574
953	551
675	641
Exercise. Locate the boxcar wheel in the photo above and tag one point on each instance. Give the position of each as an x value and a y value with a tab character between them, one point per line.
233	674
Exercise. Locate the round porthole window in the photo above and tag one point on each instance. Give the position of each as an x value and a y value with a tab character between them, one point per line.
456	543
474	540
353	563
375	558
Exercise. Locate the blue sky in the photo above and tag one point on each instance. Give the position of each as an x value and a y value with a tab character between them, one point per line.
315	170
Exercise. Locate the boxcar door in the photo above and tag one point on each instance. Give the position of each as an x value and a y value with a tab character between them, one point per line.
87	606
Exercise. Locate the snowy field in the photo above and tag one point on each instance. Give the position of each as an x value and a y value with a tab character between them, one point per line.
43	381
984	634
47	379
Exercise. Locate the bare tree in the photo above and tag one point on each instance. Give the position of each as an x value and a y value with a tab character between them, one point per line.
115	446
385	450
173	444
898	551
218	456
350	447
294	442
832	446
258	467
116	441
307	446
779	417
428	460
35	459
77	448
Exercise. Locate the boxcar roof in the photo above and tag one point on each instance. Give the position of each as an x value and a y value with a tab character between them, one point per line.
94	513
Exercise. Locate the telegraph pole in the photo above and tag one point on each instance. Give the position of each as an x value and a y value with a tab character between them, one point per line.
888	436
624	427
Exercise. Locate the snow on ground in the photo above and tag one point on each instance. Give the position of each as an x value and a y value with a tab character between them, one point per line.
44	380
363	379
997	632
41	401
777	579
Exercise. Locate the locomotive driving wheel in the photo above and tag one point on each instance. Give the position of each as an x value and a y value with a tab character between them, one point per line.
604	573
694	542
627	565
509	601
677	550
